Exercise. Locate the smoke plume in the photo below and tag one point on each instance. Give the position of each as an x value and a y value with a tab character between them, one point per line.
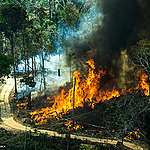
116	26
119	22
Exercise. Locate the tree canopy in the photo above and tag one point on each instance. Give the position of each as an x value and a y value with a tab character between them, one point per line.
13	16
5	65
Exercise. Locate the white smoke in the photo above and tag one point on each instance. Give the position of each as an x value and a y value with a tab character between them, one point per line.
87	24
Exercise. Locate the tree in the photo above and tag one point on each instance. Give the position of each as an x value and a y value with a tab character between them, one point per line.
70	14
30	27
140	55
5	65
13	17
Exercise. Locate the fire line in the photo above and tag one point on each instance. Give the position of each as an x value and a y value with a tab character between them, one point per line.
86	91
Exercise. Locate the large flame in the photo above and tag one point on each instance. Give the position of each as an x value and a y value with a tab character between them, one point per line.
83	91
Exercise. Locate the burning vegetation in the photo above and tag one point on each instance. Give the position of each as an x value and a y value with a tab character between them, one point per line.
84	91
133	134
73	125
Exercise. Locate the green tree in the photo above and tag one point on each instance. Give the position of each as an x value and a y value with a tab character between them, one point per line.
5	65
70	14
13	17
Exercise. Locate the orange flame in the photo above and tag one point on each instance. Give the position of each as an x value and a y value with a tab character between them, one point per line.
83	91
143	85
22	104
133	134
72	125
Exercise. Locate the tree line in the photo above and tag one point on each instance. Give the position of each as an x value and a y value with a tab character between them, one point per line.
28	28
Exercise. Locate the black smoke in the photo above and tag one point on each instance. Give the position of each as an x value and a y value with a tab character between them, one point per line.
119	22
120	19
116	31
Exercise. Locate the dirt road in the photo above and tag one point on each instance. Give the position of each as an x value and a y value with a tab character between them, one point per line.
10	124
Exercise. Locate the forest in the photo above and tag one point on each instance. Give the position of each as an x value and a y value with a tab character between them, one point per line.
74	75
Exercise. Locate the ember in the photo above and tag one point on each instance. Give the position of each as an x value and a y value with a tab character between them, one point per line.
133	134
83	91
22	104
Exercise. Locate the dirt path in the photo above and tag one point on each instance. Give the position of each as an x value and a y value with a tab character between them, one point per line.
4	97
10	124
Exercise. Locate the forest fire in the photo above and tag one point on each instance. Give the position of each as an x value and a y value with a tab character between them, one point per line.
83	91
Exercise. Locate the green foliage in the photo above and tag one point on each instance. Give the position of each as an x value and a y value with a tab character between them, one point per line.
84	147
1	19
32	37
28	27
5	65
40	12
35	24
70	14
14	16
28	80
